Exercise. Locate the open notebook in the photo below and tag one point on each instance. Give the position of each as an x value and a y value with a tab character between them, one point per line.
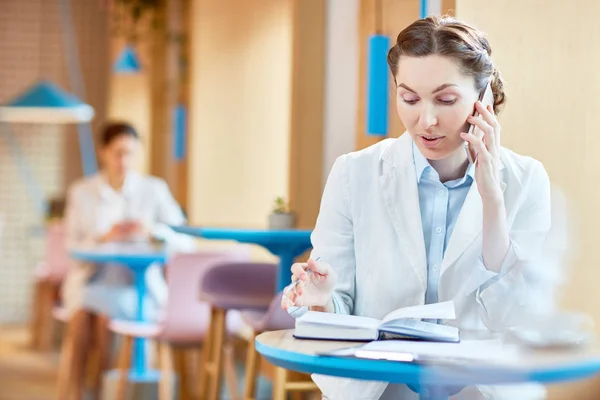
404	323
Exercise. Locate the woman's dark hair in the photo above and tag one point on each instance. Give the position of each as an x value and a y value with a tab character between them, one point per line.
113	130
448	37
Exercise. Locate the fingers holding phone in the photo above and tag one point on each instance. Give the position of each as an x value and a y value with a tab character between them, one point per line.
482	144
480	124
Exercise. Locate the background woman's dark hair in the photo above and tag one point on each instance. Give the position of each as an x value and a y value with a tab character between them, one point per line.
113	130
449	37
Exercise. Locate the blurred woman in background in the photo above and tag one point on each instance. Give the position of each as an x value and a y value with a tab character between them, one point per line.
115	205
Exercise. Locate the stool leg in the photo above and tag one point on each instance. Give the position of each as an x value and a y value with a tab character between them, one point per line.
124	364
198	360
252	368
81	354
181	367
279	390
229	371
206	357
42	322
47	321
36	313
215	367
165	386
65	367
102	341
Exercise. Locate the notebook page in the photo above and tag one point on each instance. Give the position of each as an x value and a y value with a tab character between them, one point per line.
444	310
341	320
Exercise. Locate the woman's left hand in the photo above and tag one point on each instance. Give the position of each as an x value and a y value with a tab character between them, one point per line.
487	164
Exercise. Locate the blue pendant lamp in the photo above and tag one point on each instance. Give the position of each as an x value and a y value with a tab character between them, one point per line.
377	79
45	103
128	62
179	132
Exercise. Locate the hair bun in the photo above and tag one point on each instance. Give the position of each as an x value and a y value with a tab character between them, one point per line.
497	85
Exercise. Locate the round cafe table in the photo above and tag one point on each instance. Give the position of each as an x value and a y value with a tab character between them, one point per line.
136	257
286	244
541	366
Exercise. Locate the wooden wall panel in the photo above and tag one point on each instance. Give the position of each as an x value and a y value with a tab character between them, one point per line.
307	110
240	110
169	85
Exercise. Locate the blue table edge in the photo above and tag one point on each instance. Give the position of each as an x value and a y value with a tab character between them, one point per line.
225	233
348	367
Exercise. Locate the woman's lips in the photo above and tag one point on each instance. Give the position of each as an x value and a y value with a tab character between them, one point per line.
431	142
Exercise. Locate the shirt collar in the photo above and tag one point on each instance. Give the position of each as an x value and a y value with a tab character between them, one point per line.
422	165
129	186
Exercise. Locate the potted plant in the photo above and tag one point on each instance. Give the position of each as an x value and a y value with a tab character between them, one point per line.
281	217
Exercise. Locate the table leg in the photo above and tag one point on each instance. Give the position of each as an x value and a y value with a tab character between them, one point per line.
139	347
433	393
284	273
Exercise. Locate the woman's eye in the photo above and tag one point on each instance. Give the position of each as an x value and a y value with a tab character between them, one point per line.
410	100
447	101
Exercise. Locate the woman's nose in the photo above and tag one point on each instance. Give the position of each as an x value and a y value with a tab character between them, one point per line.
427	118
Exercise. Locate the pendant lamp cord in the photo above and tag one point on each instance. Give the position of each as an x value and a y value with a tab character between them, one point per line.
41	52
378	18
84	130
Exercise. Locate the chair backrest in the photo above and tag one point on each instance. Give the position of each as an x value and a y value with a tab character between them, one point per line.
56	256
187	318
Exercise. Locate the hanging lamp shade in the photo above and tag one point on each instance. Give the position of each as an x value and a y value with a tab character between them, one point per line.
128	62
377	86
44	102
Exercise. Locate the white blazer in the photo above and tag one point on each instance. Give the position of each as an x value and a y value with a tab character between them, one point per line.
93	208
369	230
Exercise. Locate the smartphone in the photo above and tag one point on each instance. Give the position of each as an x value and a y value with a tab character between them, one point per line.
486	97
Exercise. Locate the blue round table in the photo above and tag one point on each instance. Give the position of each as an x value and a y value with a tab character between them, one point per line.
286	244
282	349
137	257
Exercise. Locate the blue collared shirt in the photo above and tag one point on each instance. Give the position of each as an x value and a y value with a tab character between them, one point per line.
440	205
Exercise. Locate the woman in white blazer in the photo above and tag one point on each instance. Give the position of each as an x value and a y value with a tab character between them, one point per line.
116	205
411	221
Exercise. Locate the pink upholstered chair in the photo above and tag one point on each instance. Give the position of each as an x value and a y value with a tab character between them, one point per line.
48	276
284	381
186	319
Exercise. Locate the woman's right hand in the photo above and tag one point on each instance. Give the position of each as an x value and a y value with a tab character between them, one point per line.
314	289
125	231
115	234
